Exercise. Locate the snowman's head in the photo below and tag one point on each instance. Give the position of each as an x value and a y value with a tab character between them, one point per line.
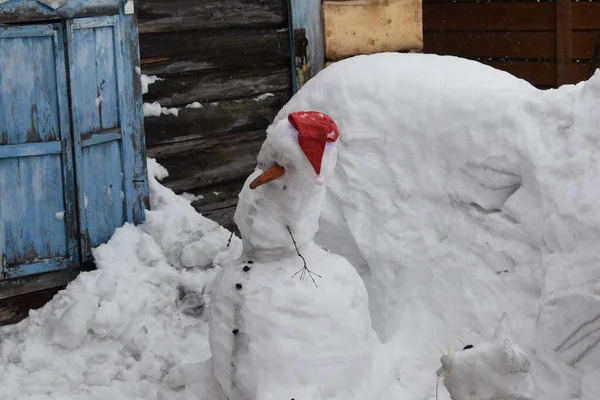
300	149
288	187
493	370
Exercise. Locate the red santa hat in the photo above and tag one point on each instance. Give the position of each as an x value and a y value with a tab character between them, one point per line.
315	131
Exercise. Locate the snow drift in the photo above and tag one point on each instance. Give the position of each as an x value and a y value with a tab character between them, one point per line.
129	329
462	192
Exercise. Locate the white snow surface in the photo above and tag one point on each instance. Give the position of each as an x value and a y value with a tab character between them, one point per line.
147	81
156	110
134	328
497	369
195	104
460	193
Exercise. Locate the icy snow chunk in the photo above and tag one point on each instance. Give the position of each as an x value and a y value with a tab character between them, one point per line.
99	101
493	370
106	319
148	251
156	170
202	252
60	215
71	328
190	197
194	105
156	110
106	286
147	81
263	96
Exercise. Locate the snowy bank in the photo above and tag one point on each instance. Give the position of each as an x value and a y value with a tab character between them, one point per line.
462	192
117	332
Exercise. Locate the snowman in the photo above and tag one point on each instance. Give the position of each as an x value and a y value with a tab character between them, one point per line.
289	319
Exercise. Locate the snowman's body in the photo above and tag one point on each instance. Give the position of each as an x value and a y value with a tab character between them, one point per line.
288	332
273	335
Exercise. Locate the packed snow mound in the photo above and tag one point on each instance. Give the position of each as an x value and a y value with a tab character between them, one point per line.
135	327
462	192
494	370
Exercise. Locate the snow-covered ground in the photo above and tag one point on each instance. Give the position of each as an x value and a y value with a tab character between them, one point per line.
460	193
117	332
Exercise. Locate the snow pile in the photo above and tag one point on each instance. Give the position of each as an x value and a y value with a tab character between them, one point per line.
494	370
462	192
128	329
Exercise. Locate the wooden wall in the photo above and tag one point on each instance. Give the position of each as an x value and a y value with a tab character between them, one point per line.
231	56
545	42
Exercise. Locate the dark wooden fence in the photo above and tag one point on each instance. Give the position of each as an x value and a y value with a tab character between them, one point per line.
545	42
231	56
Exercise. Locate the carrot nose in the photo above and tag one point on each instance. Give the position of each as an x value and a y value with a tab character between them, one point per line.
275	172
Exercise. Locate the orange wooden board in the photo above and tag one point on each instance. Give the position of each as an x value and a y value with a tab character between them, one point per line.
365	27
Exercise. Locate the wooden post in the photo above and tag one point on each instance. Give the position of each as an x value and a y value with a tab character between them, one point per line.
564	41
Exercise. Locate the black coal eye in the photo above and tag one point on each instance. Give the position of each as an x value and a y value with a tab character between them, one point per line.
469	346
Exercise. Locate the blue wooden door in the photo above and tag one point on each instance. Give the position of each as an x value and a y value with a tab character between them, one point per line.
38	230
306	34
106	160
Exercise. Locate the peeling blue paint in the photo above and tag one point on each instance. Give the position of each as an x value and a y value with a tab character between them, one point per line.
92	165
306	14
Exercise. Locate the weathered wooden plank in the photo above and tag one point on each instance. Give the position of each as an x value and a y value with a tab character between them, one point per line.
541	73
213	50
36	283
505	16
584	44
564	40
203	144
36	217
16	309
180	15
217	197
223	216
183	89
213	118
306	18
486	1
31	10
510	44
586	15
223	163
100	190
218	202
359	27
136	187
